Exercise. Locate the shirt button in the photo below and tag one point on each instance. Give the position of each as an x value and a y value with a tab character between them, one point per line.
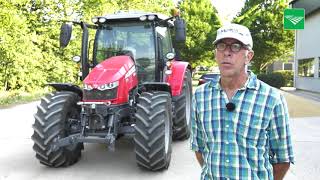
227	160
227	142
227	178
227	126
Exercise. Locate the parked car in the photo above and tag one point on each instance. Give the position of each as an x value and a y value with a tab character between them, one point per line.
208	77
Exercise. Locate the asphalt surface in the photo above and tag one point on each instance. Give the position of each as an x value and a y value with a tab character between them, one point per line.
17	159
18	162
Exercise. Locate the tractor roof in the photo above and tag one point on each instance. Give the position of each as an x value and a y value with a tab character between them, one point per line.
132	15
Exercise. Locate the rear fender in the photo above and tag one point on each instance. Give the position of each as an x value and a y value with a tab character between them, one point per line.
66	87
175	79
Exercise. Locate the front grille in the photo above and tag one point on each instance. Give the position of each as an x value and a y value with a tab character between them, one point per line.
96	94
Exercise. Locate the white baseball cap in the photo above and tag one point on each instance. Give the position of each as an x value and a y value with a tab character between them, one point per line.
235	31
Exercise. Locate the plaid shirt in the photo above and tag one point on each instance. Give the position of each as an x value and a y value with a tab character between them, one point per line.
244	143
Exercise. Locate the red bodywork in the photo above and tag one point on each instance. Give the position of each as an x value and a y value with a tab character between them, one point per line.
123	70
175	79
117	68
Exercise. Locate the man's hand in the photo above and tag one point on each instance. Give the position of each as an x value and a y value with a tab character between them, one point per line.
280	170
199	158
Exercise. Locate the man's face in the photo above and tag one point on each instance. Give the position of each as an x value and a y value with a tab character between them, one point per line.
231	63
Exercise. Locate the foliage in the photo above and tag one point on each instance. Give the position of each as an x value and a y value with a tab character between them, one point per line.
271	42
202	24
276	80
19	59
288	76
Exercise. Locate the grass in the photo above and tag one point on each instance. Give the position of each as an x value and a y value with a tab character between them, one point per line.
11	98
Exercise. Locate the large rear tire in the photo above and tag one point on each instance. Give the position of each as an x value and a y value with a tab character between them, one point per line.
181	123
56	113
153	130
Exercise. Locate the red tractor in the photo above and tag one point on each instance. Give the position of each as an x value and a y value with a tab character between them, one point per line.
133	86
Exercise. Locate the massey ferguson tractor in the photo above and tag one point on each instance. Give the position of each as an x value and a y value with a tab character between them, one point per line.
134	85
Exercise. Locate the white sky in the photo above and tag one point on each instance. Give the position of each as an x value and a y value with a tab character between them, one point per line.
228	9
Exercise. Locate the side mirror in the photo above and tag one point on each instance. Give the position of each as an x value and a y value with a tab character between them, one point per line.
65	34
180	30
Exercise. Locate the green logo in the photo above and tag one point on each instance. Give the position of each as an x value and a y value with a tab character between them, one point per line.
293	19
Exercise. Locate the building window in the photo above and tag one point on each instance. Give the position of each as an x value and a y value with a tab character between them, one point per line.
306	67
319	67
287	66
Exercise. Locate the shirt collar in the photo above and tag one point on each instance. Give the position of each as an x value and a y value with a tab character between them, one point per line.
251	83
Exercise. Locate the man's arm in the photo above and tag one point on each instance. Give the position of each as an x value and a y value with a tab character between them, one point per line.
280	140
199	158
280	170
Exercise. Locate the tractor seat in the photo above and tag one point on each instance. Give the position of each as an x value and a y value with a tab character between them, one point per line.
129	51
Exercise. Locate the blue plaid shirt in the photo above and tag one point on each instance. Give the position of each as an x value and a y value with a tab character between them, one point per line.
244	143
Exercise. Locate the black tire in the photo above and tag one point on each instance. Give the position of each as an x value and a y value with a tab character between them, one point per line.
52	121
181	122
153	130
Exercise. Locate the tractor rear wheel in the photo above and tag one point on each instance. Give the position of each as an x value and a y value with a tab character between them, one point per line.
56	114
181	123
153	130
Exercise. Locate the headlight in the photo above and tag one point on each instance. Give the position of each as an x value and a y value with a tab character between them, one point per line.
143	18
151	17
108	86
102	20
87	87
94	20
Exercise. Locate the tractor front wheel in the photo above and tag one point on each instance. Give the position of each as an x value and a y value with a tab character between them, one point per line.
153	130
56	114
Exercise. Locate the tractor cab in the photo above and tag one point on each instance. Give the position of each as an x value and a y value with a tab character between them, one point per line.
134	39
145	37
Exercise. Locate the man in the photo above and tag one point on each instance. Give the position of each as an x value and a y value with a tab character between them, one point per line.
240	127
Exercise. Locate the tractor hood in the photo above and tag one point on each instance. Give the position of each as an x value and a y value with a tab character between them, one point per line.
108	71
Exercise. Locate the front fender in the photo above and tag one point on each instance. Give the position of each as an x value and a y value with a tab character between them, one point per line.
175	79
66	87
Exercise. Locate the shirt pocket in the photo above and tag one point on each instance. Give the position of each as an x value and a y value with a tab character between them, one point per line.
250	129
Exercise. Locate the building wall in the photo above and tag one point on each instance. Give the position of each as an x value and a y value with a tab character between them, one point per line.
307	46
278	65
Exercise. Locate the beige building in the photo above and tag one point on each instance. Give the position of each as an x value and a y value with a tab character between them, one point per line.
307	47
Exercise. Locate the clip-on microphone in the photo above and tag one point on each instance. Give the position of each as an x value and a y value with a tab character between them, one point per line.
230	106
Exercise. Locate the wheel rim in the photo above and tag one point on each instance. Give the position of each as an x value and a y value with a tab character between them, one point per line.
188	103
167	133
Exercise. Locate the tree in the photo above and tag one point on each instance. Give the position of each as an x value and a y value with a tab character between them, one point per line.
19	59
202	24
271	42
29	50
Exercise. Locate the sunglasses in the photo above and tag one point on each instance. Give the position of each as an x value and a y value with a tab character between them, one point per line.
235	47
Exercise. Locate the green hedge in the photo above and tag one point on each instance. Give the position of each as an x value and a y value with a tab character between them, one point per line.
288	77
278	79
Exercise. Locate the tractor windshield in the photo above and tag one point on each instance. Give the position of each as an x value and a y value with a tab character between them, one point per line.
135	40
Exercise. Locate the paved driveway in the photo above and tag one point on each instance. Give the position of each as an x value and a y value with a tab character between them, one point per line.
17	159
